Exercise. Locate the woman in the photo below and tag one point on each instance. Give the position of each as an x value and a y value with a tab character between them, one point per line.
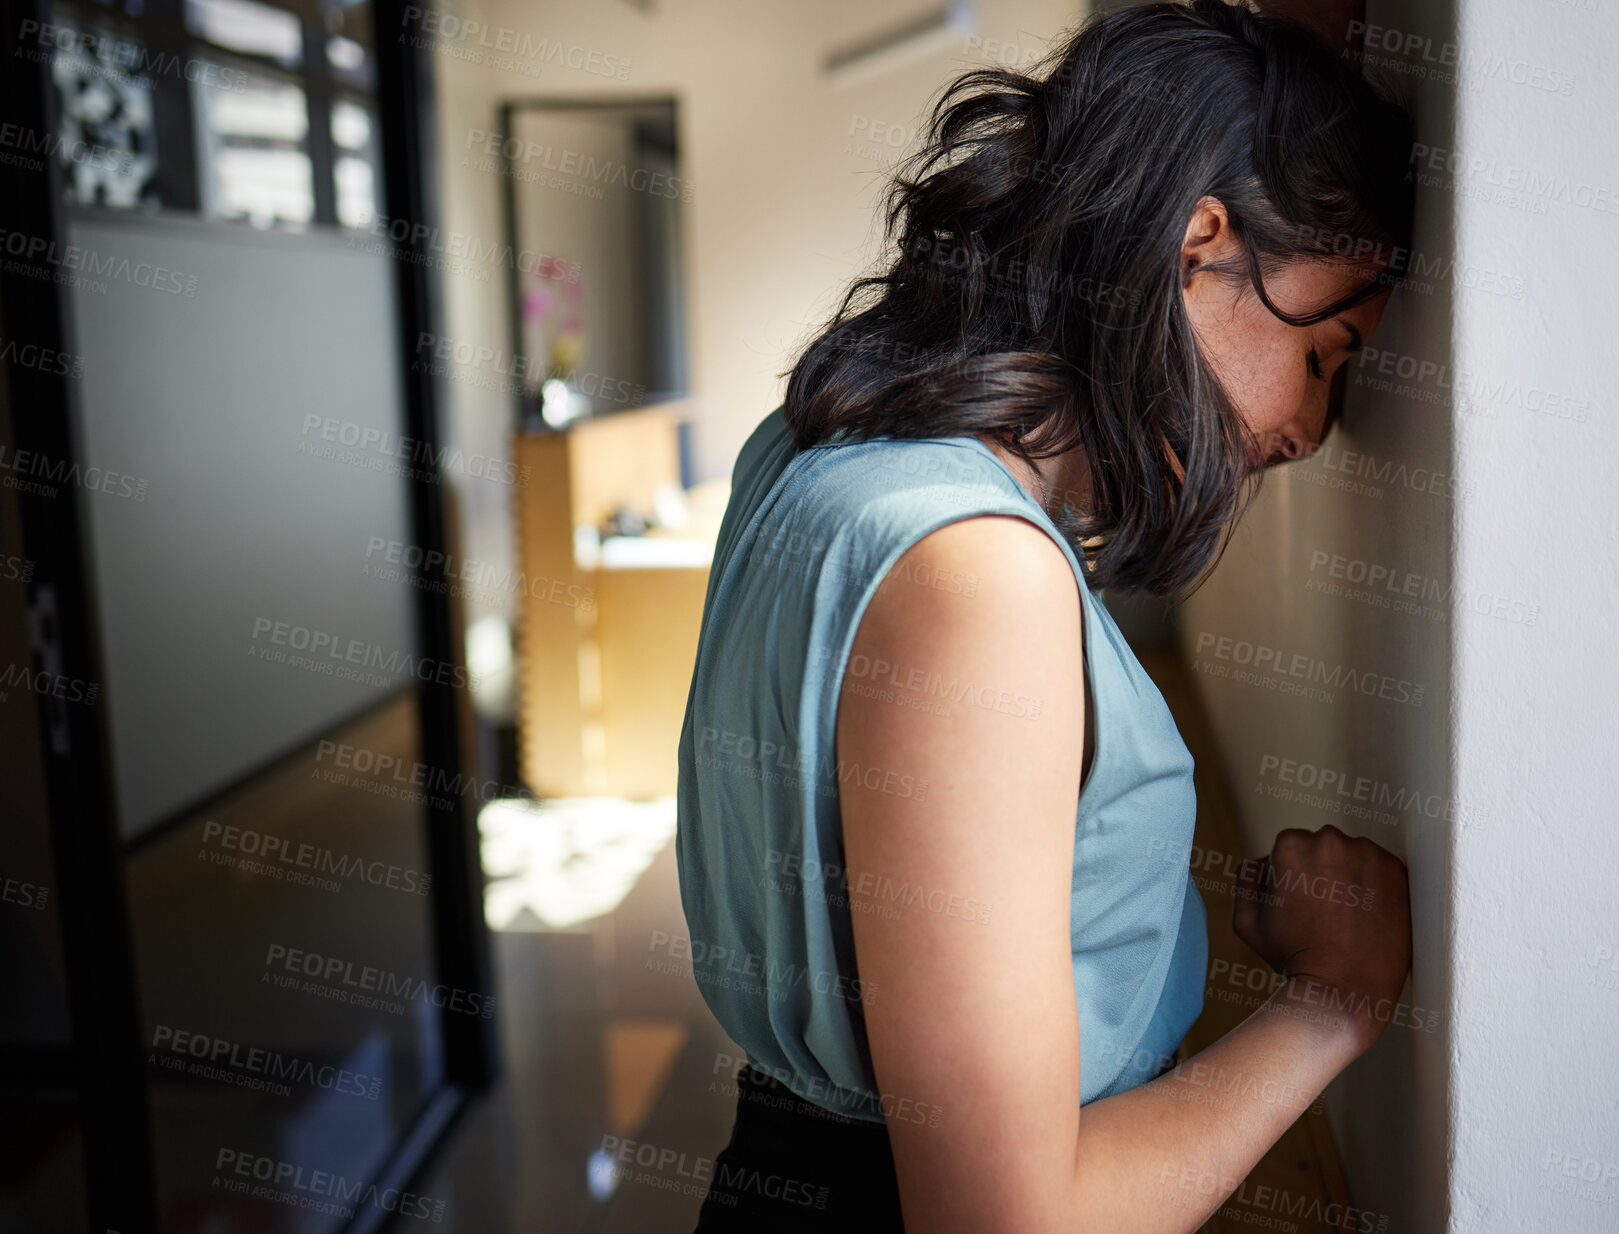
1123	285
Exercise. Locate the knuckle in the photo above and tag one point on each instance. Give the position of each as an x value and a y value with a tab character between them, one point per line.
1291	840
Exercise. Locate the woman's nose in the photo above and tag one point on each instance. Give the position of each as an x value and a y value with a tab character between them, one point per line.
1300	436
1286	444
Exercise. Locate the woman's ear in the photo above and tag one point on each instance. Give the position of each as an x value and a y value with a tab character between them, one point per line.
1209	237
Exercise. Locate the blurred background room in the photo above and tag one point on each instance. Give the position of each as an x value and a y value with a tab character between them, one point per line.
374	376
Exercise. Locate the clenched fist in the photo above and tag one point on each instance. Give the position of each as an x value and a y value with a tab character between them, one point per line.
1334	913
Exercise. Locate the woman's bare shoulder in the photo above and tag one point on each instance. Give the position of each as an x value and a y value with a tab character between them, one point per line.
985	574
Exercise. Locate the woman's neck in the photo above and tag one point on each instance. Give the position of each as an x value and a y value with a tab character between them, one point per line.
1063	479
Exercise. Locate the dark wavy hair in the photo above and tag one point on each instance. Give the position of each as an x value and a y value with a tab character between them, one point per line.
1036	295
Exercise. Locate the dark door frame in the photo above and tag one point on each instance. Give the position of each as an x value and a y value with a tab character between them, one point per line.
64	623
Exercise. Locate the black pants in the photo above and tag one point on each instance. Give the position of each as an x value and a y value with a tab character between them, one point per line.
793	1167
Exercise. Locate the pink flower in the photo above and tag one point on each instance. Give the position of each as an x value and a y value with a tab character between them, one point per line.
537	303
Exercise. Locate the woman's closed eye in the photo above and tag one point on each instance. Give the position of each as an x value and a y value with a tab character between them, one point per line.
1313	362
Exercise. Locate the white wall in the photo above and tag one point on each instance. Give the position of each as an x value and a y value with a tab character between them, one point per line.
784	180
1535	1045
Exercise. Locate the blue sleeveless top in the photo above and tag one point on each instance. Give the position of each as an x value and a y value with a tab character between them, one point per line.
806	540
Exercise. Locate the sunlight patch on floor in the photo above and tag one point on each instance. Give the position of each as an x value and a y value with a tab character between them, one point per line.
556	863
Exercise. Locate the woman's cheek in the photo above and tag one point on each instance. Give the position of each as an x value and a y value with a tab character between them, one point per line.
1277	392
1262	402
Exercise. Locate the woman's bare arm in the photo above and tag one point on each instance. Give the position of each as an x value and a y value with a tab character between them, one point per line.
973	1010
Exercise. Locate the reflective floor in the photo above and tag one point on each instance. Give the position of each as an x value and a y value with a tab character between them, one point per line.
601	1045
252	922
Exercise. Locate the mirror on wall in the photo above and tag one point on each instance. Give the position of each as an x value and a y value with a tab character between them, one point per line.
594	193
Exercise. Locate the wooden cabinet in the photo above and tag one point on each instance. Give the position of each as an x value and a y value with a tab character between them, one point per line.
606	641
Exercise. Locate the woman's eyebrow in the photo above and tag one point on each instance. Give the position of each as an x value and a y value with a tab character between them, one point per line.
1355	341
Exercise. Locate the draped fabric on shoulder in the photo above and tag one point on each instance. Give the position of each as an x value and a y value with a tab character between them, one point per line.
808	538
